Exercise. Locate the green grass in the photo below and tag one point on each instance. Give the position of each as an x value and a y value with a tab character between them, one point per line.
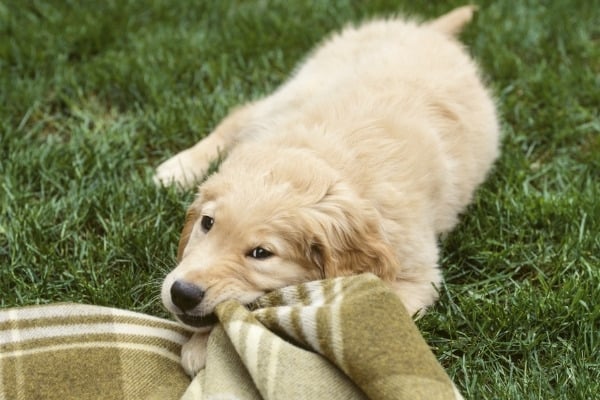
93	95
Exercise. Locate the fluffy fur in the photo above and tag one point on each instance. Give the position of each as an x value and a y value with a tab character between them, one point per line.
356	164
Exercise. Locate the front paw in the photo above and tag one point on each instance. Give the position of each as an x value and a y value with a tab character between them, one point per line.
181	169
193	353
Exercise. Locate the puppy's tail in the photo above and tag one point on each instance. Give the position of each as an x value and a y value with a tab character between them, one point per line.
453	22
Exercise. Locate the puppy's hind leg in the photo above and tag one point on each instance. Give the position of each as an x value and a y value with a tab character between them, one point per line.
188	166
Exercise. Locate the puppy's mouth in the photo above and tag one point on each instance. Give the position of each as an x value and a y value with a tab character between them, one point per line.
198	321
203	321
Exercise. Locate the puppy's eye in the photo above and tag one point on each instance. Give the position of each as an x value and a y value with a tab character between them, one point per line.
259	253
207	223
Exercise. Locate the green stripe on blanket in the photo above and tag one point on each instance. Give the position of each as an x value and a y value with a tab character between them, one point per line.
345	338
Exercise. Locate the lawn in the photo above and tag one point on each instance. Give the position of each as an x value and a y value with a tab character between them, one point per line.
94	94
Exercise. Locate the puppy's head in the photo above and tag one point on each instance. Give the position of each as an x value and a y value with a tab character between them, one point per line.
266	220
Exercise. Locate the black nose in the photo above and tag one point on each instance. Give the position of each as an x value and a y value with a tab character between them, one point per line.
186	295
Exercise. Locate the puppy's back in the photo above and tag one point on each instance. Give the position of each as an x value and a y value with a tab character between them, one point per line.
403	96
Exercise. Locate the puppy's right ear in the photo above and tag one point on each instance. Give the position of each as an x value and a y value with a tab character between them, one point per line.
190	219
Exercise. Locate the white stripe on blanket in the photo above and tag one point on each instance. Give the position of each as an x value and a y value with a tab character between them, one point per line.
335	330
72	310
28	334
272	368
95	345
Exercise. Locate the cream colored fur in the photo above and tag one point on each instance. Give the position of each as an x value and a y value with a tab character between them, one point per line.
356	164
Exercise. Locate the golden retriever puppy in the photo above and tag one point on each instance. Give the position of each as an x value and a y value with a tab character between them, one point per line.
356	164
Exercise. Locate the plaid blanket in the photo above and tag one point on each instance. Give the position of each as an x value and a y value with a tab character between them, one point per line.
344	338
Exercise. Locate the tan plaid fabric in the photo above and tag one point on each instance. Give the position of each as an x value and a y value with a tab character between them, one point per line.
345	338
72	351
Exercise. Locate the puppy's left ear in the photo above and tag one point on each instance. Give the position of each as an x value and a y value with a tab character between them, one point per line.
348	237
190	219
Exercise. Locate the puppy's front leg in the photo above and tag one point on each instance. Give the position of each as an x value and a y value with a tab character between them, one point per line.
189	165
193	353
